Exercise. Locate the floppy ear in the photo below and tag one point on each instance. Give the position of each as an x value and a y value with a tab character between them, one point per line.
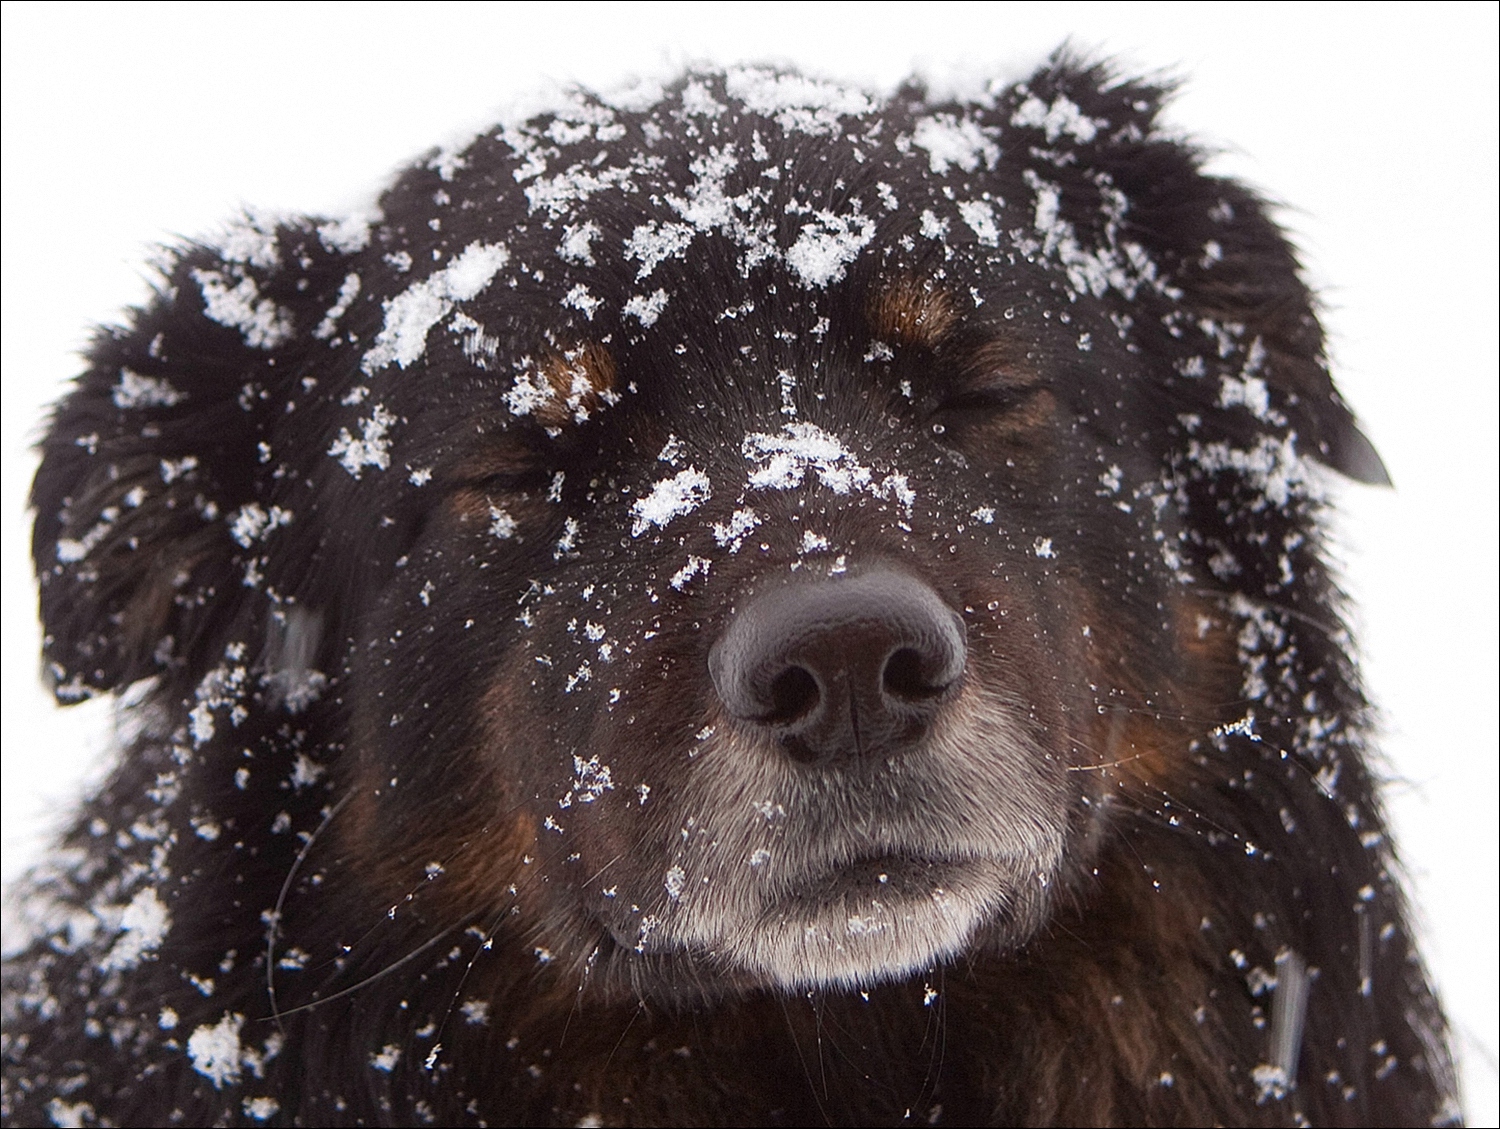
154	471
1212	239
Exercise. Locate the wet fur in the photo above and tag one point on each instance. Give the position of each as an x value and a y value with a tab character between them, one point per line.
352	727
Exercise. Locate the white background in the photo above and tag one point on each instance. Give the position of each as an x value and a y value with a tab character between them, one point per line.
126	125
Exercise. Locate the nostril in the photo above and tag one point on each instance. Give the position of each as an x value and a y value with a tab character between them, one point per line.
904	680
794	693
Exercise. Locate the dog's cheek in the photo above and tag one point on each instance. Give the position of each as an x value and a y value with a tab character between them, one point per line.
593	718
475	719
1117	663
424	779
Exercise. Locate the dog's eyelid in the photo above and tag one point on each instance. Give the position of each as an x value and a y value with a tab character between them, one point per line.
995	374
990	395
1007	376
503	466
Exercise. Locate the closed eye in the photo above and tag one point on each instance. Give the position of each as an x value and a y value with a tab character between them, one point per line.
999	397
998	410
518	481
516	467
992	379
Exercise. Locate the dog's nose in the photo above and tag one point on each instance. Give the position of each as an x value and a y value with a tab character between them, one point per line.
857	666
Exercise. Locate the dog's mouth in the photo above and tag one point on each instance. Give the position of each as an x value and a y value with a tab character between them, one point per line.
848	923
890	876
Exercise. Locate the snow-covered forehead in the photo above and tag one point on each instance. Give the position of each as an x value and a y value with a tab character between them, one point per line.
612	219
758	240
794	173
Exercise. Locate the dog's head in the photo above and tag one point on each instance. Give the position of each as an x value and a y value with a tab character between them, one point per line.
725	537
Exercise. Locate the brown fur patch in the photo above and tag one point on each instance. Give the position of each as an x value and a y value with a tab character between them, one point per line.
581	381
481	843
1147	731
912	312
485	863
471	504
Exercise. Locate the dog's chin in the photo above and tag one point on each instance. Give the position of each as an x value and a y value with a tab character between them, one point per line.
868	922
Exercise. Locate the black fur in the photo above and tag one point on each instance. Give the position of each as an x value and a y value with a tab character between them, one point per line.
411	545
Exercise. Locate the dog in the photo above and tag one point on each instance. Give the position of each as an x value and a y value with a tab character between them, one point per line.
742	602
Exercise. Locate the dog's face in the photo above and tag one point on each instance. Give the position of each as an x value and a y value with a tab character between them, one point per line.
741	531
772	659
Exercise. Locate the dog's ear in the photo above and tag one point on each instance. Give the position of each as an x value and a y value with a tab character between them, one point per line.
155	476
1210	239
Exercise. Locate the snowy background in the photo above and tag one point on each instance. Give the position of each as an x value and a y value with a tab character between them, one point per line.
124	126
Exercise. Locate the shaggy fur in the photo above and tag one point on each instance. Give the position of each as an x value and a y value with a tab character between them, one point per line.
739	604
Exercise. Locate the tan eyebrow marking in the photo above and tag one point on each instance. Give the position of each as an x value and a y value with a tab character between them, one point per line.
580	382
912	311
